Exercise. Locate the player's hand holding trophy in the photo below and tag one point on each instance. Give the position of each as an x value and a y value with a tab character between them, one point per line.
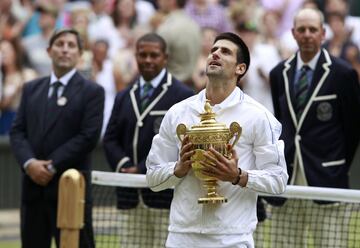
209	133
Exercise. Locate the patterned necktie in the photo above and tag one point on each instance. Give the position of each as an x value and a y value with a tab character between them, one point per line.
145	96
301	90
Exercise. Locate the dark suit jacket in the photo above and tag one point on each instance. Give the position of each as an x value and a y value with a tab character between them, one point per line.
129	135
67	139
326	136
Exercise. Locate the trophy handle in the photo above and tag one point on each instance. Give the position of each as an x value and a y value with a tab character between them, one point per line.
180	131
235	131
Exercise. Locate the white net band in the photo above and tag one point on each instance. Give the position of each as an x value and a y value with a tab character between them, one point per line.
127	213
292	191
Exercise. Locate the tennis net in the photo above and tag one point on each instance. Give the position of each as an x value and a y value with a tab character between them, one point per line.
309	217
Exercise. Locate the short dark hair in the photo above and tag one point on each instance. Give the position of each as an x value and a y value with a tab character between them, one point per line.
58	32
243	54
335	14
152	37
181	3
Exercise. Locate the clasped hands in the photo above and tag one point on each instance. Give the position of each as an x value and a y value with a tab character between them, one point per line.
38	171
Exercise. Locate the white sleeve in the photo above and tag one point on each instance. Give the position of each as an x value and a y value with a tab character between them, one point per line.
163	156
270	175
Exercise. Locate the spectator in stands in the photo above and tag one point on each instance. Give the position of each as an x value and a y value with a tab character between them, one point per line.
56	128
102	74
183	49
13	76
340	40
263	58
10	26
250	10
101	25
130	18
32	14
35	45
130	13
79	20
125	18
268	27
158	18
126	15
261	166
285	10
317	99
208	14
353	56
352	23
135	119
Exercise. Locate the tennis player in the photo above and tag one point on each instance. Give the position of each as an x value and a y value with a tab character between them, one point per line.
258	164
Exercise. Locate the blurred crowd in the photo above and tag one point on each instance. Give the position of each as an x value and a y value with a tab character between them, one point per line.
109	29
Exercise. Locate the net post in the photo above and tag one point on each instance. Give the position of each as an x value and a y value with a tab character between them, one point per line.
71	202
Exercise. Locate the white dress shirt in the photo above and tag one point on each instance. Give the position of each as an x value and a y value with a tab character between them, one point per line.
64	81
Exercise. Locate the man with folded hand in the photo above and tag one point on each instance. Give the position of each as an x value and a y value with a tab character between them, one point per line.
135	119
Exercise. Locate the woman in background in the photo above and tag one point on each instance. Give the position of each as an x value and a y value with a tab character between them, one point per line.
13	77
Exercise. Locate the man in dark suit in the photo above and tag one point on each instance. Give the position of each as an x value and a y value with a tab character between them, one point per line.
317	100
56	128
135	119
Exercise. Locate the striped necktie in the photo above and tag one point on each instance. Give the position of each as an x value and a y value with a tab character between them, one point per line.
301	90
145	96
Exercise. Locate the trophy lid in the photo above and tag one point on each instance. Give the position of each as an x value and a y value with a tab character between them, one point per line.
208	122
209	131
